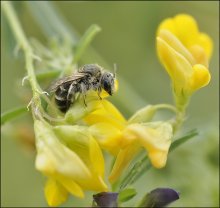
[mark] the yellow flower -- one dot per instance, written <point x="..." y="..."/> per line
<point x="185" y="52"/>
<point x="120" y="137"/>
<point x="154" y="137"/>
<point x="104" y="120"/>
<point x="71" y="159"/>
<point x="93" y="102"/>
<point x="124" y="139"/>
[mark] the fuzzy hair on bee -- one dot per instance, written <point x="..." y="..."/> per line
<point x="88" y="77"/>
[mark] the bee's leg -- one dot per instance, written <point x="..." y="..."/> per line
<point x="84" y="100"/>
<point x="99" y="88"/>
<point x="83" y="91"/>
<point x="99" y="92"/>
<point x="70" y="90"/>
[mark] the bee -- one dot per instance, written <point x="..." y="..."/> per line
<point x="88" y="77"/>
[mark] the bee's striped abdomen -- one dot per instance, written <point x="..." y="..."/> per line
<point x="61" y="99"/>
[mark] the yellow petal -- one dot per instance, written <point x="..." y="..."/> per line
<point x="183" y="26"/>
<point x="200" y="77"/>
<point x="206" y="43"/>
<point x="80" y="141"/>
<point x="96" y="183"/>
<point x="156" y="139"/>
<point x="187" y="29"/>
<point x="116" y="85"/>
<point x="54" y="157"/>
<point x="167" y="24"/>
<point x="70" y="186"/>
<point x="158" y="158"/>
<point x="111" y="109"/>
<point x="107" y="113"/>
<point x="176" y="65"/>
<point x="175" y="43"/>
<point x="199" y="54"/>
<point x="123" y="158"/>
<point x="108" y="136"/>
<point x="77" y="138"/>
<point x="79" y="110"/>
<point x="55" y="193"/>
<point x="96" y="157"/>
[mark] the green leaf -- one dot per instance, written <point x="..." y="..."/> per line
<point x="127" y="194"/>
<point x="11" y="114"/>
<point x="85" y="41"/>
<point x="140" y="167"/>
<point x="183" y="139"/>
<point x="135" y="172"/>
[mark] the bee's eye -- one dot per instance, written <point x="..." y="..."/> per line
<point x="105" y="84"/>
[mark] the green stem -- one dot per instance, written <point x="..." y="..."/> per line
<point x="181" y="105"/>
<point x="166" y="106"/>
<point x="85" y="41"/>
<point x="23" y="43"/>
<point x="81" y="47"/>
<point x="9" y="115"/>
<point x="180" y="117"/>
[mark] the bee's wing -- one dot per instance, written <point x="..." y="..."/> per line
<point x="53" y="87"/>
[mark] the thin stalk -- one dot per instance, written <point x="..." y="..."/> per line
<point x="166" y="106"/>
<point x="25" y="46"/>
<point x="29" y="55"/>
<point x="23" y="43"/>
<point x="85" y="41"/>
<point x="82" y="45"/>
<point x="9" y="115"/>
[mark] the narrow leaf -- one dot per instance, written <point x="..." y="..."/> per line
<point x="173" y="146"/>
<point x="85" y="41"/>
<point x="11" y="114"/>
<point x="183" y="139"/>
<point x="127" y="194"/>
<point x="140" y="167"/>
<point x="159" y="197"/>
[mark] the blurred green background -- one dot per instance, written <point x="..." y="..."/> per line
<point x="127" y="39"/>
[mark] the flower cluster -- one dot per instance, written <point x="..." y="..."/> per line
<point x="185" y="52"/>
<point x="71" y="159"/>
<point x="69" y="153"/>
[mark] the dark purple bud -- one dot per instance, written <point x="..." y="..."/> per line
<point x="106" y="199"/>
<point x="159" y="197"/>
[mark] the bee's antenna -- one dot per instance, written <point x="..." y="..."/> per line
<point x="115" y="69"/>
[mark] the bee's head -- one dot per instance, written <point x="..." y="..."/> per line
<point x="108" y="82"/>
